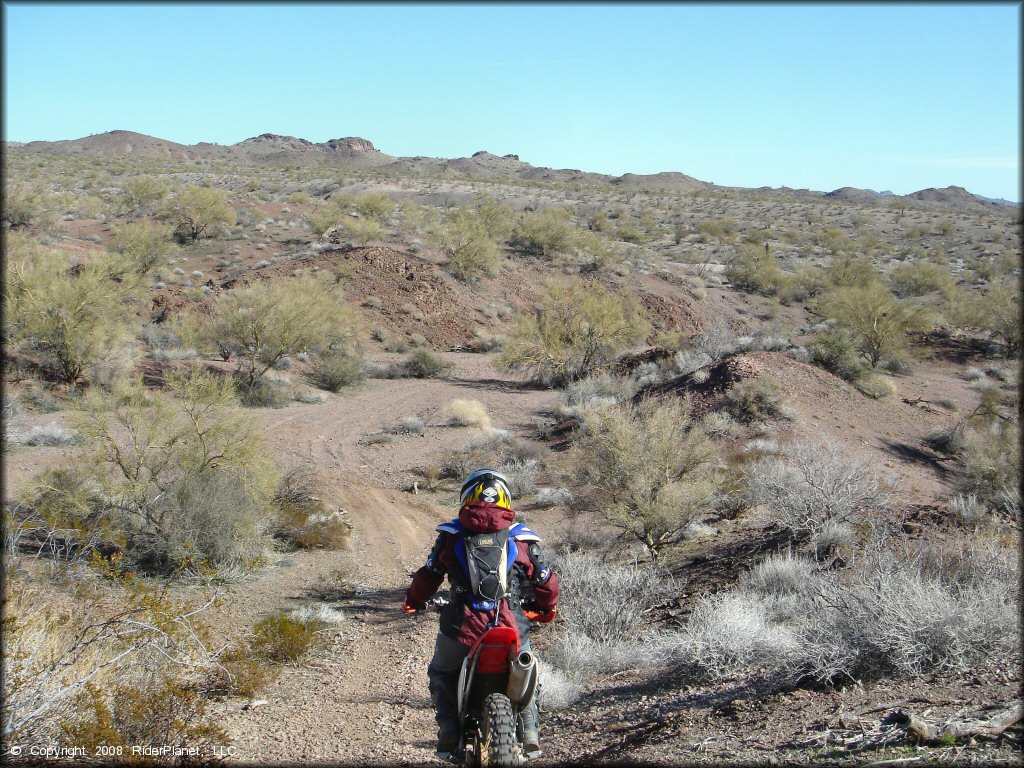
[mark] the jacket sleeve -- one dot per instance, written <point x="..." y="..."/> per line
<point x="428" y="579"/>
<point x="543" y="579"/>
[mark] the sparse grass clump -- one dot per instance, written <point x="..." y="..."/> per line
<point x="282" y="639"/>
<point x="51" y="434"/>
<point x="468" y="413"/>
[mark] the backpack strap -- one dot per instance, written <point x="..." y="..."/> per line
<point x="520" y="532"/>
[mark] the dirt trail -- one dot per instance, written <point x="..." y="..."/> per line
<point x="364" y="700"/>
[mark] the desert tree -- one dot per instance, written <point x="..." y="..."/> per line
<point x="545" y="232"/>
<point x="184" y="478"/>
<point x="261" y="323"/>
<point x="575" y="327"/>
<point x="195" y="210"/>
<point x="877" y="320"/>
<point x="144" y="247"/>
<point x="73" y="317"/>
<point x="647" y="470"/>
<point x="323" y="220"/>
<point x="141" y="193"/>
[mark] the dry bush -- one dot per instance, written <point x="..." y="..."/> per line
<point x="496" y="448"/>
<point x="835" y="351"/>
<point x="468" y="413"/>
<point x="753" y="401"/>
<point x="602" y="610"/>
<point x="593" y="392"/>
<point x="875" y="387"/>
<point x="576" y="327"/>
<point x="135" y="630"/>
<point x="363" y="231"/>
<point x="990" y="465"/>
<point x="421" y="364"/>
<point x="646" y="470"/>
<point x="900" y="611"/>
<point x="281" y="639"/>
<point x="51" y="434"/>
<point x="811" y="485"/>
<point x="300" y="519"/>
<point x="753" y="271"/>
<point x="160" y="710"/>
<point x="143" y="247"/>
<point x="553" y="497"/>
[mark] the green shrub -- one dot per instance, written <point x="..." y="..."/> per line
<point x="577" y="326"/>
<point x="423" y="364"/>
<point x="376" y="206"/>
<point x="834" y="351"/>
<point x="753" y="271"/>
<point x="143" y="246"/>
<point x="920" y="278"/>
<point x="280" y="639"/>
<point x="545" y="233"/>
<point x="195" y="210"/>
<point x="470" y="249"/>
<point x="363" y="231"/>
<point x="754" y="400"/>
<point x="336" y="371"/>
<point x="875" y="387"/>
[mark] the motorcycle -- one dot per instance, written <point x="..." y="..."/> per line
<point x="496" y="683"/>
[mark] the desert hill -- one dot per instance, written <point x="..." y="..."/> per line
<point x="361" y="153"/>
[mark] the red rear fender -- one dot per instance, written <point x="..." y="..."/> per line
<point x="496" y="647"/>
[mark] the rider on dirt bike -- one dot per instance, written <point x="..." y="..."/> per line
<point x="533" y="586"/>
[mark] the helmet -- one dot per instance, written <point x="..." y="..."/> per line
<point x="487" y="485"/>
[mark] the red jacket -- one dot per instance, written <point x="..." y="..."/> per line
<point x="458" y="620"/>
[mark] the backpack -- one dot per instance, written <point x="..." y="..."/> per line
<point x="487" y="560"/>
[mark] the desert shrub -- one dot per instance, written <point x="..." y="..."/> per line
<point x="24" y="204"/>
<point x="722" y="229"/>
<point x="897" y="366"/>
<point x="852" y="272"/>
<point x="362" y="231"/>
<point x="920" y="278"/>
<point x="811" y="485"/>
<point x="995" y="311"/>
<point x="51" y="434"/>
<point x="719" y="424"/>
<point x="545" y="232"/>
<point x="336" y="371"/>
<point x="601" y="613"/>
<point x="875" y="387"/>
<point x="646" y="470"/>
<point x="834" y="351"/>
<point x="422" y="364"/>
<point x="261" y="323"/>
<point x="715" y="342"/>
<point x="552" y="497"/>
<point x="753" y="271"/>
<point x="281" y="639"/>
<point x="470" y="249"/>
<point x="375" y="205"/>
<point x="322" y="220"/>
<point x="495" y="449"/>
<point x="300" y="519"/>
<point x="754" y="400"/>
<point x="484" y="341"/>
<point x="595" y="391"/>
<point x="990" y="465"/>
<point x="496" y="217"/>
<point x="576" y="327"/>
<point x="194" y="211"/>
<point x="596" y="252"/>
<point x="876" y="320"/>
<point x="268" y="393"/>
<point x="188" y="478"/>
<point x="804" y="283"/>
<point x="143" y="246"/>
<point x="407" y="425"/>
<point x="108" y="641"/>
<point x="898" y="612"/>
<point x="72" y="317"/>
<point x="948" y="441"/>
<point x="139" y="194"/>
<point x="162" y="710"/>
<point x="468" y="413"/>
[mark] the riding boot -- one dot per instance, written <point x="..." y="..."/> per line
<point x="531" y="733"/>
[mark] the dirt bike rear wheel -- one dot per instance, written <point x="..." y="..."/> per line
<point x="498" y="745"/>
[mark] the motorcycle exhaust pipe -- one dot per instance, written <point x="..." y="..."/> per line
<point x="522" y="679"/>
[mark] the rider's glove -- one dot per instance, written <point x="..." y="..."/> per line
<point x="541" y="617"/>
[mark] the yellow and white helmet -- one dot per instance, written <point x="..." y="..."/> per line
<point x="486" y="485"/>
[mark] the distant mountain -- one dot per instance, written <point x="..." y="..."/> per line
<point x="357" y="152"/>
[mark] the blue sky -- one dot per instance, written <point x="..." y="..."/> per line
<point x="819" y="96"/>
